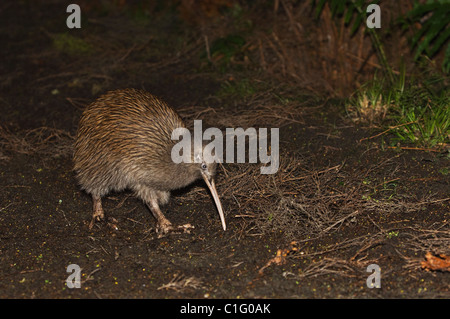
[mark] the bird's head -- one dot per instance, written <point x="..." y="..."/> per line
<point x="206" y="166"/>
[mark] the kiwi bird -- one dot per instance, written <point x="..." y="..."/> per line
<point x="124" y="142"/>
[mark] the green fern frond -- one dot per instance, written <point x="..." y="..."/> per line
<point x="434" y="17"/>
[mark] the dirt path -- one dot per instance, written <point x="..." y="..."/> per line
<point x="335" y="207"/>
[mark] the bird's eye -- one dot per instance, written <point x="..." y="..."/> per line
<point x="203" y="166"/>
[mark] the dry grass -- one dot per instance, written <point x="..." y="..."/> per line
<point x="367" y="111"/>
<point x="326" y="266"/>
<point x="46" y="141"/>
<point x="313" y="205"/>
<point x="349" y="257"/>
<point x="301" y="203"/>
<point x="435" y="239"/>
<point x="261" y="110"/>
<point x="296" y="201"/>
<point x="253" y="116"/>
<point x="180" y="283"/>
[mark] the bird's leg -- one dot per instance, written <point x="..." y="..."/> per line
<point x="164" y="226"/>
<point x="98" y="213"/>
<point x="163" y="223"/>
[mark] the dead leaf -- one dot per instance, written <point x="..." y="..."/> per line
<point x="440" y="262"/>
<point x="280" y="257"/>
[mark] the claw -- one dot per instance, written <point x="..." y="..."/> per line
<point x="164" y="230"/>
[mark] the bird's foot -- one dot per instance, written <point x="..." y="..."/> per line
<point x="165" y="229"/>
<point x="95" y="219"/>
<point x="111" y="222"/>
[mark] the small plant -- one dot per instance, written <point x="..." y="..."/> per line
<point x="415" y="112"/>
<point x="392" y="234"/>
<point x="373" y="100"/>
<point x="368" y="105"/>
<point x="241" y="89"/>
<point x="71" y="45"/>
<point x="226" y="50"/>
<point x="422" y="116"/>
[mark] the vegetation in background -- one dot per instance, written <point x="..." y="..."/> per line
<point x="71" y="45"/>
<point x="229" y="49"/>
<point x="225" y="50"/>
<point x="422" y="116"/>
<point x="355" y="10"/>
<point x="239" y="89"/>
<point x="434" y="32"/>
<point x="412" y="110"/>
<point x="430" y="38"/>
<point x="416" y="112"/>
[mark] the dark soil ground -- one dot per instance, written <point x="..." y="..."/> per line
<point x="337" y="204"/>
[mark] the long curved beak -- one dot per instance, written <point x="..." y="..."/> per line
<point x="212" y="188"/>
